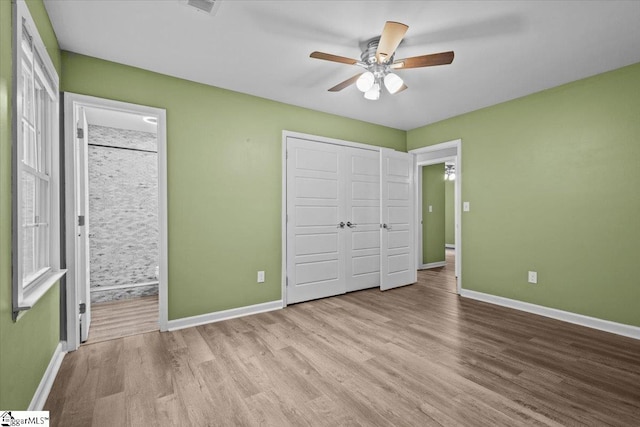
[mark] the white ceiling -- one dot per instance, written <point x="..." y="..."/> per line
<point x="118" y="120"/>
<point x="503" y="49"/>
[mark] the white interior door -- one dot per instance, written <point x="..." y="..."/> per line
<point x="398" y="266"/>
<point x="82" y="214"/>
<point x="315" y="209"/>
<point x="362" y="233"/>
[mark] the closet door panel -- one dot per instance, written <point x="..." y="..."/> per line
<point x="315" y="207"/>
<point x="363" y="212"/>
<point x="397" y="209"/>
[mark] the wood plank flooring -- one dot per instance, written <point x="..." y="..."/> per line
<point x="123" y="318"/>
<point x="413" y="356"/>
<point x="442" y="278"/>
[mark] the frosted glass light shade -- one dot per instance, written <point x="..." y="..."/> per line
<point x="365" y="81"/>
<point x="374" y="93"/>
<point x="393" y="82"/>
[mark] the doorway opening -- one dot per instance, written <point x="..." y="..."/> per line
<point x="115" y="157"/>
<point x="122" y="223"/>
<point x="439" y="236"/>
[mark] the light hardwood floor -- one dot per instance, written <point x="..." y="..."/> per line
<point x="414" y="356"/>
<point x="122" y="318"/>
<point x="442" y="278"/>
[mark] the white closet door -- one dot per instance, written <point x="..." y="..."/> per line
<point x="363" y="219"/>
<point x="397" y="233"/>
<point x="315" y="207"/>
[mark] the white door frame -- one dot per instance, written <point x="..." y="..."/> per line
<point x="81" y="185"/>
<point x="286" y="134"/>
<point x="433" y="154"/>
<point x="71" y="101"/>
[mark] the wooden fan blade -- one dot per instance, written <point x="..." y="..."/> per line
<point x="333" y="58"/>
<point x="391" y="37"/>
<point x="442" y="58"/>
<point x="403" y="87"/>
<point x="345" y="83"/>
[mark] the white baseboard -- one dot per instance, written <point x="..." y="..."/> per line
<point x="449" y="246"/>
<point x="432" y="265"/>
<point x="566" y="316"/>
<point x="187" y="322"/>
<point x="42" y="392"/>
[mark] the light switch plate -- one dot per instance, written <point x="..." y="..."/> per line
<point x="465" y="206"/>
<point x="430" y="208"/>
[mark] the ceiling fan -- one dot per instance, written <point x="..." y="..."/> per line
<point x="378" y="59"/>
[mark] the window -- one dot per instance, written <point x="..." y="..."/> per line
<point x="36" y="204"/>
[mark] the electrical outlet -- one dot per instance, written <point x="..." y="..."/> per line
<point x="260" y="276"/>
<point x="533" y="277"/>
<point x="430" y="208"/>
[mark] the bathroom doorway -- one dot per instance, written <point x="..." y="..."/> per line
<point x="122" y="165"/>
<point x="117" y="239"/>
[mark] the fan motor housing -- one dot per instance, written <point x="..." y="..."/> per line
<point x="368" y="55"/>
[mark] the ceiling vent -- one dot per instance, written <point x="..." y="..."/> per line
<point x="205" y="6"/>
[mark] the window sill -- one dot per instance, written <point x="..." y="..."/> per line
<point x="31" y="298"/>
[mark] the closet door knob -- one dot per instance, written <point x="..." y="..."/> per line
<point x="341" y="225"/>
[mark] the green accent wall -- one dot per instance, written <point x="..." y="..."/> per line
<point x="26" y="346"/>
<point x="224" y="154"/>
<point x="433" y="223"/>
<point x="449" y="212"/>
<point x="552" y="180"/>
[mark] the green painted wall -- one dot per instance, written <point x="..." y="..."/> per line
<point x="26" y="346"/>
<point x="224" y="178"/>
<point x="552" y="182"/>
<point x="449" y="212"/>
<point x="433" y="223"/>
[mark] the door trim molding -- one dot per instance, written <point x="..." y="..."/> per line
<point x="70" y="101"/>
<point x="325" y="140"/>
<point x="565" y="316"/>
<point x="440" y="158"/>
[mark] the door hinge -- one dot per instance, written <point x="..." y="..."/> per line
<point x="80" y="220"/>
<point x="80" y="133"/>
<point x="83" y="308"/>
<point x="286" y="282"/>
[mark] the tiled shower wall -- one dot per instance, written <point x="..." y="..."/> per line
<point x="123" y="213"/>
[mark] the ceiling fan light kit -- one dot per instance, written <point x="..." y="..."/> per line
<point x="393" y="83"/>
<point x="365" y="81"/>
<point x="378" y="61"/>
<point x="373" y="94"/>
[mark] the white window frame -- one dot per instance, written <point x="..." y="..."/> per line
<point x="25" y="295"/>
